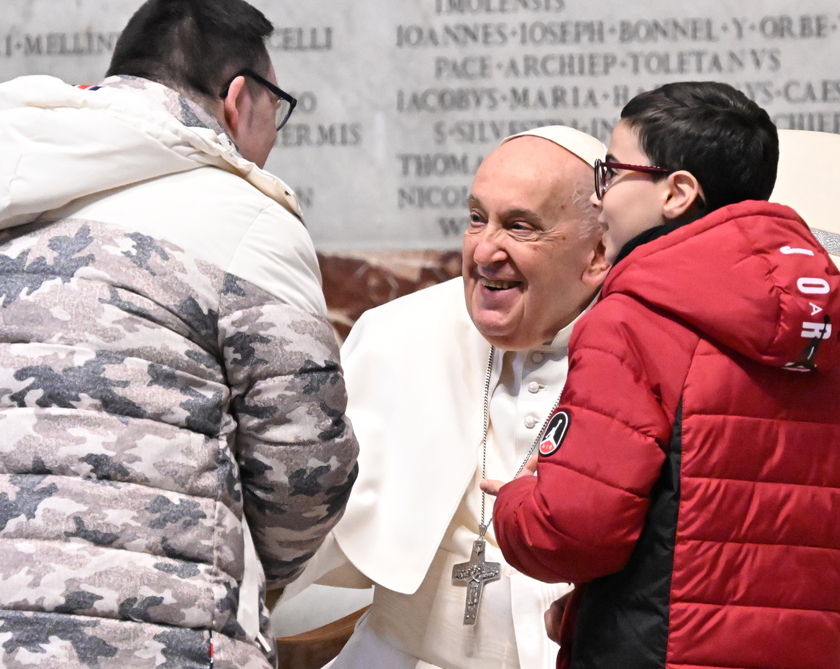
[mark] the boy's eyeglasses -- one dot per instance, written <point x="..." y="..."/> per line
<point x="285" y="102"/>
<point x="605" y="171"/>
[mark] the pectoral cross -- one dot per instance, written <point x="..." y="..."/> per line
<point x="474" y="574"/>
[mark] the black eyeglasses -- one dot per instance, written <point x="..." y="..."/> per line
<point x="285" y="102"/>
<point x="605" y="171"/>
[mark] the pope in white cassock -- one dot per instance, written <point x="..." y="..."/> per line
<point x="421" y="372"/>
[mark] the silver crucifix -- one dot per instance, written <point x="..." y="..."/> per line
<point x="474" y="574"/>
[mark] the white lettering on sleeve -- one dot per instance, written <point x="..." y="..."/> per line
<point x="811" y="286"/>
<point x="787" y="250"/>
<point x="816" y="331"/>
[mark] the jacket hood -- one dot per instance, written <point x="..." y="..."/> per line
<point x="749" y="276"/>
<point x="62" y="142"/>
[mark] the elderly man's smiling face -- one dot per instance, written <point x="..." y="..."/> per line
<point x="533" y="257"/>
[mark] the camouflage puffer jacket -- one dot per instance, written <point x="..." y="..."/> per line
<point x="165" y="367"/>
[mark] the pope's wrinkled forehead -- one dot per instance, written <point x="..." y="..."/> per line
<point x="549" y="163"/>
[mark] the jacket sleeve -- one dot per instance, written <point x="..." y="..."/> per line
<point x="295" y="448"/>
<point x="581" y="516"/>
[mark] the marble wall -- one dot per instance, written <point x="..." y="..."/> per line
<point x="400" y="100"/>
<point x="355" y="282"/>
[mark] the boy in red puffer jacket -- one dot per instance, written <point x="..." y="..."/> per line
<point x="688" y="478"/>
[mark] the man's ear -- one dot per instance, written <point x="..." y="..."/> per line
<point x="598" y="267"/>
<point x="683" y="193"/>
<point x="233" y="106"/>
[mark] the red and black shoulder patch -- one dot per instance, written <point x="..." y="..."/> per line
<point x="555" y="432"/>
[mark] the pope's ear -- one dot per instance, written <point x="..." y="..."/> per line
<point x="598" y="267"/>
<point x="683" y="194"/>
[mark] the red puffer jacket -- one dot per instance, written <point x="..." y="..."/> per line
<point x="691" y="475"/>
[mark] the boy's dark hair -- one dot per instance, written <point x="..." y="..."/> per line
<point x="712" y="130"/>
<point x="193" y="46"/>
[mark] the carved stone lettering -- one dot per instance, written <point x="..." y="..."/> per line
<point x="398" y="103"/>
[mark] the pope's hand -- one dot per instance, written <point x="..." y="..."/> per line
<point x="491" y="487"/>
<point x="530" y="467"/>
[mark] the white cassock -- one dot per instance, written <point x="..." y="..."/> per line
<point x="415" y="371"/>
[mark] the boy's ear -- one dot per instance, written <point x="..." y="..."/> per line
<point x="683" y="193"/>
<point x="598" y="267"/>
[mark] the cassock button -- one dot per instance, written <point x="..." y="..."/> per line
<point x="537" y="357"/>
<point x="533" y="387"/>
<point x="530" y="422"/>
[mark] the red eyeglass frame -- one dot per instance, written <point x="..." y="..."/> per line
<point x="601" y="167"/>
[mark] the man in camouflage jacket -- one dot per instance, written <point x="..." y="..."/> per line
<point x="166" y="367"/>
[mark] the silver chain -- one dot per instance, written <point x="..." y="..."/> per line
<point x="482" y="527"/>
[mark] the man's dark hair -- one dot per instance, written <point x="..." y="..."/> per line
<point x="712" y="130"/>
<point x="193" y="46"/>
